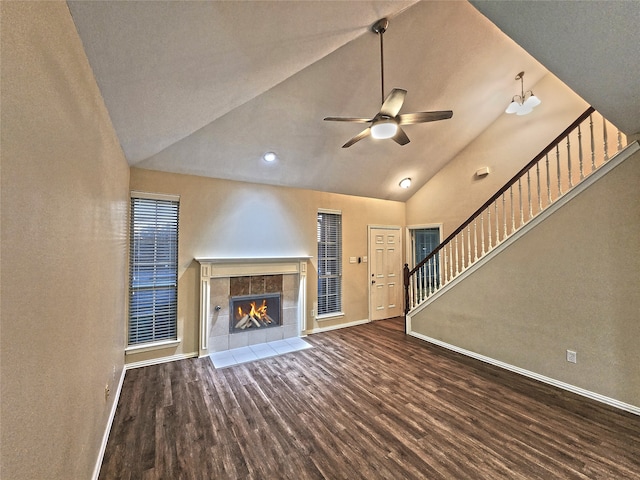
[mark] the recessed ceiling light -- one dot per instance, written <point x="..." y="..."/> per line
<point x="269" y="157"/>
<point x="405" y="183"/>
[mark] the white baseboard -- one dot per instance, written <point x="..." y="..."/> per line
<point x="107" y="431"/>
<point x="158" y="361"/>
<point x="527" y="373"/>
<point x="336" y="327"/>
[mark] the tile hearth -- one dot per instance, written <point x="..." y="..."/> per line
<point x="251" y="353"/>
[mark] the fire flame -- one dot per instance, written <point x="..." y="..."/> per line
<point x="259" y="313"/>
<point x="254" y="316"/>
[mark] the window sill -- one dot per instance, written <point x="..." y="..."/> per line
<point x="329" y="316"/>
<point x="147" y="347"/>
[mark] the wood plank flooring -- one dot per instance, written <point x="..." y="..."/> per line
<point x="366" y="402"/>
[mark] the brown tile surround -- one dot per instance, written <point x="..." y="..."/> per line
<point x="255" y="284"/>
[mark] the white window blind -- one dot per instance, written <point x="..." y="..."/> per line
<point x="153" y="274"/>
<point x="329" y="263"/>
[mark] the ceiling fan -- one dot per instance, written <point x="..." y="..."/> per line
<point x="387" y="122"/>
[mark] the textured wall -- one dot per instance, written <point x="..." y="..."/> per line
<point x="570" y="283"/>
<point x="64" y="246"/>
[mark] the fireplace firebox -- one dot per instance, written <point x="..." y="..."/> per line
<point x="255" y="311"/>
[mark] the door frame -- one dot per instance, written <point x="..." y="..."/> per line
<point x="398" y="228"/>
<point x="408" y="250"/>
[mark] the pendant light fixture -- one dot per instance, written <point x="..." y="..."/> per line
<point x="525" y="102"/>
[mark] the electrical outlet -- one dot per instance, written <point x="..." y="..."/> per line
<point x="572" y="356"/>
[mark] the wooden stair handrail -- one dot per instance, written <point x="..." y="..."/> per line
<point x="497" y="195"/>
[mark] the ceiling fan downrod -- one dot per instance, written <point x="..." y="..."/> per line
<point x="380" y="27"/>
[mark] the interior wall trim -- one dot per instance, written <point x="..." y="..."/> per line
<point x="336" y="327"/>
<point x="107" y="431"/>
<point x="535" y="376"/>
<point x="157" y="361"/>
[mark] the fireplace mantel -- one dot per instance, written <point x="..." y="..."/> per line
<point x="213" y="267"/>
<point x="222" y="267"/>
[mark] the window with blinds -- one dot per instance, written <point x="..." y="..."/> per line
<point x="329" y="263"/>
<point x="153" y="274"/>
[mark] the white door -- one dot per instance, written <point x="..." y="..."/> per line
<point x="385" y="273"/>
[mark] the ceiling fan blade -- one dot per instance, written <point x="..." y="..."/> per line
<point x="365" y="133"/>
<point x="400" y="137"/>
<point x="421" y="117"/>
<point x="393" y="103"/>
<point x="348" y="119"/>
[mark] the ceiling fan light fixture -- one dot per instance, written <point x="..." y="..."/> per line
<point x="385" y="128"/>
<point x="405" y="183"/>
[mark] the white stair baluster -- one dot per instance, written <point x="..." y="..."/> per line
<point x="482" y="232"/>
<point x="593" y="144"/>
<point x="513" y="213"/>
<point x="495" y="210"/>
<point x="456" y="247"/>
<point x="504" y="215"/>
<point x="580" y="153"/>
<point x="538" y="186"/>
<point x="469" y="244"/>
<point x="475" y="239"/>
<point x="489" y="226"/>
<point x="558" y="173"/>
<point x="462" y="264"/>
<point x="529" y="195"/>
<point x="569" y="162"/>
<point x="604" y="136"/>
<point x="520" y="202"/>
<point x="619" y="140"/>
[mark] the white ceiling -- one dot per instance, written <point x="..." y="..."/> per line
<point x="206" y="88"/>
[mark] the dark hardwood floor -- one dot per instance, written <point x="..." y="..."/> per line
<point x="365" y="402"/>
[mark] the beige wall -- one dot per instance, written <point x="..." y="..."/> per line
<point x="64" y="244"/>
<point x="220" y="218"/>
<point x="509" y="143"/>
<point x="572" y="284"/>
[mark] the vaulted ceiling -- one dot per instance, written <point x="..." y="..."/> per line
<point x="205" y="88"/>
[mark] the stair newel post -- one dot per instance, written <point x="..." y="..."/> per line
<point x="406" y="288"/>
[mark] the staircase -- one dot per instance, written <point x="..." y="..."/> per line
<point x="576" y="158"/>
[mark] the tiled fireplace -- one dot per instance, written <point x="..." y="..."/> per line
<point x="248" y="301"/>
